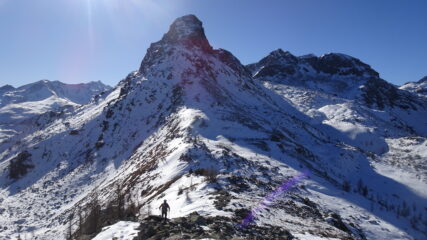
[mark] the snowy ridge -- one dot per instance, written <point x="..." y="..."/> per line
<point x="191" y="112"/>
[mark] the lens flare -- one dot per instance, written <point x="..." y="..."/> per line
<point x="286" y="186"/>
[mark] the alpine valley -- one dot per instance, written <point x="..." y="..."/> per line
<point x="214" y="137"/>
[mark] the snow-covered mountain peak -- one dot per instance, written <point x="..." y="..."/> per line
<point x="184" y="33"/>
<point x="184" y="53"/>
<point x="332" y="73"/>
<point x="339" y="70"/>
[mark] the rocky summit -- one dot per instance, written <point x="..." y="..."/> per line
<point x="222" y="142"/>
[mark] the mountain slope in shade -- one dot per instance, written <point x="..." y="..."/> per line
<point x="194" y="127"/>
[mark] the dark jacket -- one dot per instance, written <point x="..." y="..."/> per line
<point x="165" y="207"/>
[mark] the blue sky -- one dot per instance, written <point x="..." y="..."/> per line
<point x="87" y="40"/>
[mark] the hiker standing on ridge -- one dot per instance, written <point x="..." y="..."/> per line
<point x="165" y="208"/>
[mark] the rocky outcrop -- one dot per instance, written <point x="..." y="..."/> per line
<point x="195" y="226"/>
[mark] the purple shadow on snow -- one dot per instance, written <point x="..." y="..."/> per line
<point x="272" y="196"/>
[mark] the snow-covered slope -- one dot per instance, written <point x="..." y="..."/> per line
<point x="194" y="127"/>
<point x="120" y="231"/>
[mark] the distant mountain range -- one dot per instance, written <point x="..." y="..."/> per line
<point x="217" y="139"/>
<point x="20" y="107"/>
<point x="419" y="87"/>
<point x="76" y="93"/>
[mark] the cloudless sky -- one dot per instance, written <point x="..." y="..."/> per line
<point x="88" y="40"/>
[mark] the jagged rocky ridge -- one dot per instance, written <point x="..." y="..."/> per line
<point x="194" y="127"/>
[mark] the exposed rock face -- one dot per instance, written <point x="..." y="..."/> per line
<point x="285" y="64"/>
<point x="381" y="94"/>
<point x="186" y="31"/>
<point x="184" y="28"/>
<point x="341" y="64"/>
<point x="281" y="62"/>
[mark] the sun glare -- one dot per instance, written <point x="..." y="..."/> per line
<point x="89" y="20"/>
